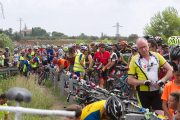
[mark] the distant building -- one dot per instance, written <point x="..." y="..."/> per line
<point x="26" y="31"/>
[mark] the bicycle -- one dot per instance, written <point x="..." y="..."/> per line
<point x="43" y="76"/>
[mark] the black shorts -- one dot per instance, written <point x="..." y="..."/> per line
<point x="35" y="70"/>
<point x="150" y="99"/>
<point x="103" y="75"/>
<point x="44" y="62"/>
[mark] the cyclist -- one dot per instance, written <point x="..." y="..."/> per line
<point x="165" y="49"/>
<point x="145" y="66"/>
<point x="114" y="59"/>
<point x="115" y="49"/>
<point x="3" y="102"/>
<point x="65" y="49"/>
<point x="103" y="60"/>
<point x="50" y="53"/>
<point x="1" y="59"/>
<point x="152" y="45"/>
<point x="134" y="52"/>
<point x="21" y="62"/>
<point x="35" y="63"/>
<point x="159" y="43"/>
<point x="110" y="109"/>
<point x="81" y="44"/>
<point x="79" y="64"/>
<point x="27" y="65"/>
<point x="44" y="55"/>
<point x="7" y="57"/>
<point x="92" y="49"/>
<point x="36" y="51"/>
<point x="62" y="64"/>
<point x="174" y="56"/>
<point x="15" y="57"/>
<point x="148" y="37"/>
<point x="71" y="58"/>
<point x="125" y="53"/>
<point x="60" y="52"/>
<point x="77" y="49"/>
<point x="30" y="52"/>
<point x="88" y="59"/>
<point x="77" y="109"/>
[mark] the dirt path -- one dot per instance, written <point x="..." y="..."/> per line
<point x="58" y="104"/>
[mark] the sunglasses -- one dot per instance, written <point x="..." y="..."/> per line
<point x="102" y="47"/>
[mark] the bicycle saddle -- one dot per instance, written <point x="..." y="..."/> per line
<point x="110" y="79"/>
<point x="122" y="68"/>
<point x="19" y="94"/>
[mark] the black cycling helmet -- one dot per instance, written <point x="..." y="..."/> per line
<point x="86" y="44"/>
<point x="113" y="107"/>
<point x="148" y="37"/>
<point x="102" y="45"/>
<point x="158" y="40"/>
<point x="134" y="47"/>
<point x="109" y="48"/>
<point x="175" y="55"/>
<point x="97" y="45"/>
<point x="164" y="45"/>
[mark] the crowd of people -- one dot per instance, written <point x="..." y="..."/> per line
<point x="145" y="60"/>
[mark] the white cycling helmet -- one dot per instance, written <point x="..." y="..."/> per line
<point x="60" y="51"/>
<point x="15" y="49"/>
<point x="84" y="48"/>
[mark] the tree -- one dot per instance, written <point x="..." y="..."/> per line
<point x="25" y="27"/>
<point x="132" y="37"/>
<point x="39" y="32"/>
<point x="164" y="24"/>
<point x="57" y="34"/>
<point x="5" y="41"/>
<point x="106" y="40"/>
<point x="32" y="32"/>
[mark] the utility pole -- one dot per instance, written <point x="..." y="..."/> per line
<point x="117" y="30"/>
<point x="20" y="24"/>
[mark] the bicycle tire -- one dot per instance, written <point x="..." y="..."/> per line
<point x="40" y="78"/>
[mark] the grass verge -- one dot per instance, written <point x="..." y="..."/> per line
<point x="40" y="99"/>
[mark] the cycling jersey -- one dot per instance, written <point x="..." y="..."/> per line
<point x="145" y="70"/>
<point x="3" y="112"/>
<point x="63" y="61"/>
<point x="93" y="111"/>
<point x="15" y="56"/>
<point x="101" y="60"/>
<point x="44" y="55"/>
<point x="2" y="60"/>
<point x="126" y="54"/>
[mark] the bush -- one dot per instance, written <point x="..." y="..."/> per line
<point x="80" y="41"/>
<point x="5" y="41"/>
<point x="106" y="40"/>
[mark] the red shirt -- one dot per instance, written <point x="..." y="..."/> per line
<point x="100" y="59"/>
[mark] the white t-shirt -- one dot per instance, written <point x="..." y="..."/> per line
<point x="16" y="56"/>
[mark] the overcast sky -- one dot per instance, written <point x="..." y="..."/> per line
<point x="73" y="17"/>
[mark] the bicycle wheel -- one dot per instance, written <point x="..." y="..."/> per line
<point x="40" y="78"/>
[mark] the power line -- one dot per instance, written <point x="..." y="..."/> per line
<point x="20" y="24"/>
<point x="2" y="10"/>
<point x="117" y="30"/>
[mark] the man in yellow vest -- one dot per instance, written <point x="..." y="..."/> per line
<point x="79" y="64"/>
